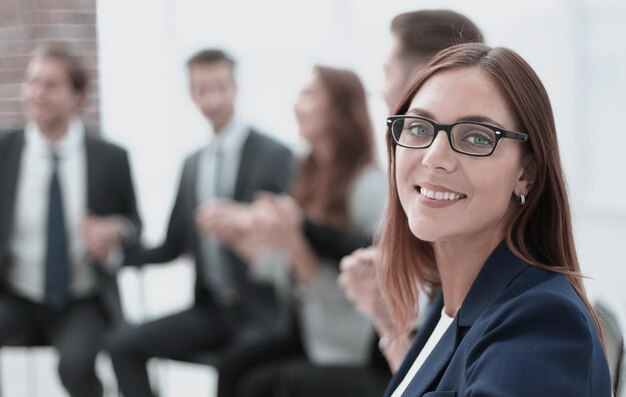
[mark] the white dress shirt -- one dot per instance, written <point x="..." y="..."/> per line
<point x="442" y="326"/>
<point x="229" y="143"/>
<point x="29" y="234"/>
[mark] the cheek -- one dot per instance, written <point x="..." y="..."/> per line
<point x="491" y="189"/>
<point x="406" y="162"/>
<point x="315" y="116"/>
<point x="230" y="98"/>
<point x="221" y="101"/>
<point x="58" y="101"/>
<point x="494" y="181"/>
<point x="318" y="110"/>
<point x="491" y="196"/>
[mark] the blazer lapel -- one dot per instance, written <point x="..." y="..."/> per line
<point x="423" y="333"/>
<point x="435" y="364"/>
<point x="92" y="163"/>
<point x="9" y="173"/>
<point x="190" y="181"/>
<point x="499" y="270"/>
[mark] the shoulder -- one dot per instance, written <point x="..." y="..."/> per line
<point x="369" y="188"/>
<point x="545" y="288"/>
<point x="541" y="301"/>
<point x="371" y="177"/>
<point x="267" y="144"/>
<point x="536" y="337"/>
<point x="194" y="155"/>
<point x="368" y="197"/>
<point x="9" y="137"/>
<point x="191" y="160"/>
<point x="101" y="145"/>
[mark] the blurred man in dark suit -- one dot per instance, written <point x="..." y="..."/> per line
<point x="67" y="211"/>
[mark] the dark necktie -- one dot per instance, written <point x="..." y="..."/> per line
<point x="57" y="258"/>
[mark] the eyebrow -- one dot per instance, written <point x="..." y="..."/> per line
<point x="475" y="118"/>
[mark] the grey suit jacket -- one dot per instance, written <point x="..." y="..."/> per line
<point x="266" y="165"/>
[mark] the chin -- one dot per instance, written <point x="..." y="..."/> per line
<point x="47" y="121"/>
<point x="425" y="235"/>
<point x="37" y="115"/>
<point x="305" y="133"/>
<point x="424" y="229"/>
<point x="433" y="234"/>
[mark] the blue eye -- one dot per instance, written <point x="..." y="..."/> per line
<point x="419" y="129"/>
<point x="478" y="139"/>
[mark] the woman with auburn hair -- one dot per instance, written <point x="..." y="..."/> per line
<point x="478" y="209"/>
<point x="330" y="347"/>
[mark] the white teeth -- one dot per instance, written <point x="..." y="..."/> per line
<point x="428" y="193"/>
<point x="442" y="196"/>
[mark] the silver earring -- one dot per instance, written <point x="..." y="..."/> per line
<point x="522" y="199"/>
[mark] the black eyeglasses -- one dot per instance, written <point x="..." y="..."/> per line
<point x="467" y="137"/>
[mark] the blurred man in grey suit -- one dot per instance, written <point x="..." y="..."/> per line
<point x="229" y="304"/>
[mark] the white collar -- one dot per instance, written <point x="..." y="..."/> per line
<point x="70" y="143"/>
<point x="231" y="138"/>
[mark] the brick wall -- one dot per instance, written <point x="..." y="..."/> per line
<point x="26" y="23"/>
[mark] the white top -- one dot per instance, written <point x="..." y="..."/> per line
<point x="333" y="331"/>
<point x="28" y="239"/>
<point x="435" y="337"/>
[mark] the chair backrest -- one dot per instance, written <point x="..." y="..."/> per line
<point x="613" y="333"/>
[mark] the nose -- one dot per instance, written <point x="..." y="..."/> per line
<point x="440" y="156"/>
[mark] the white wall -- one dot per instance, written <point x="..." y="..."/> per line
<point x="573" y="45"/>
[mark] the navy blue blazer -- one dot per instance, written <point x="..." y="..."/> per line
<point x="521" y="331"/>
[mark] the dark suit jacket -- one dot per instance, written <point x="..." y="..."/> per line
<point x="521" y="331"/>
<point x="109" y="192"/>
<point x="266" y="165"/>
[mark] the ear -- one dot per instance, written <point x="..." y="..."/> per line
<point x="527" y="176"/>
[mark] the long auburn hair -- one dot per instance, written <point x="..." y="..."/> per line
<point x="543" y="225"/>
<point x="349" y="127"/>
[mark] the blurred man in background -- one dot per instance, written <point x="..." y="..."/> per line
<point x="417" y="37"/>
<point x="67" y="207"/>
<point x="231" y="307"/>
